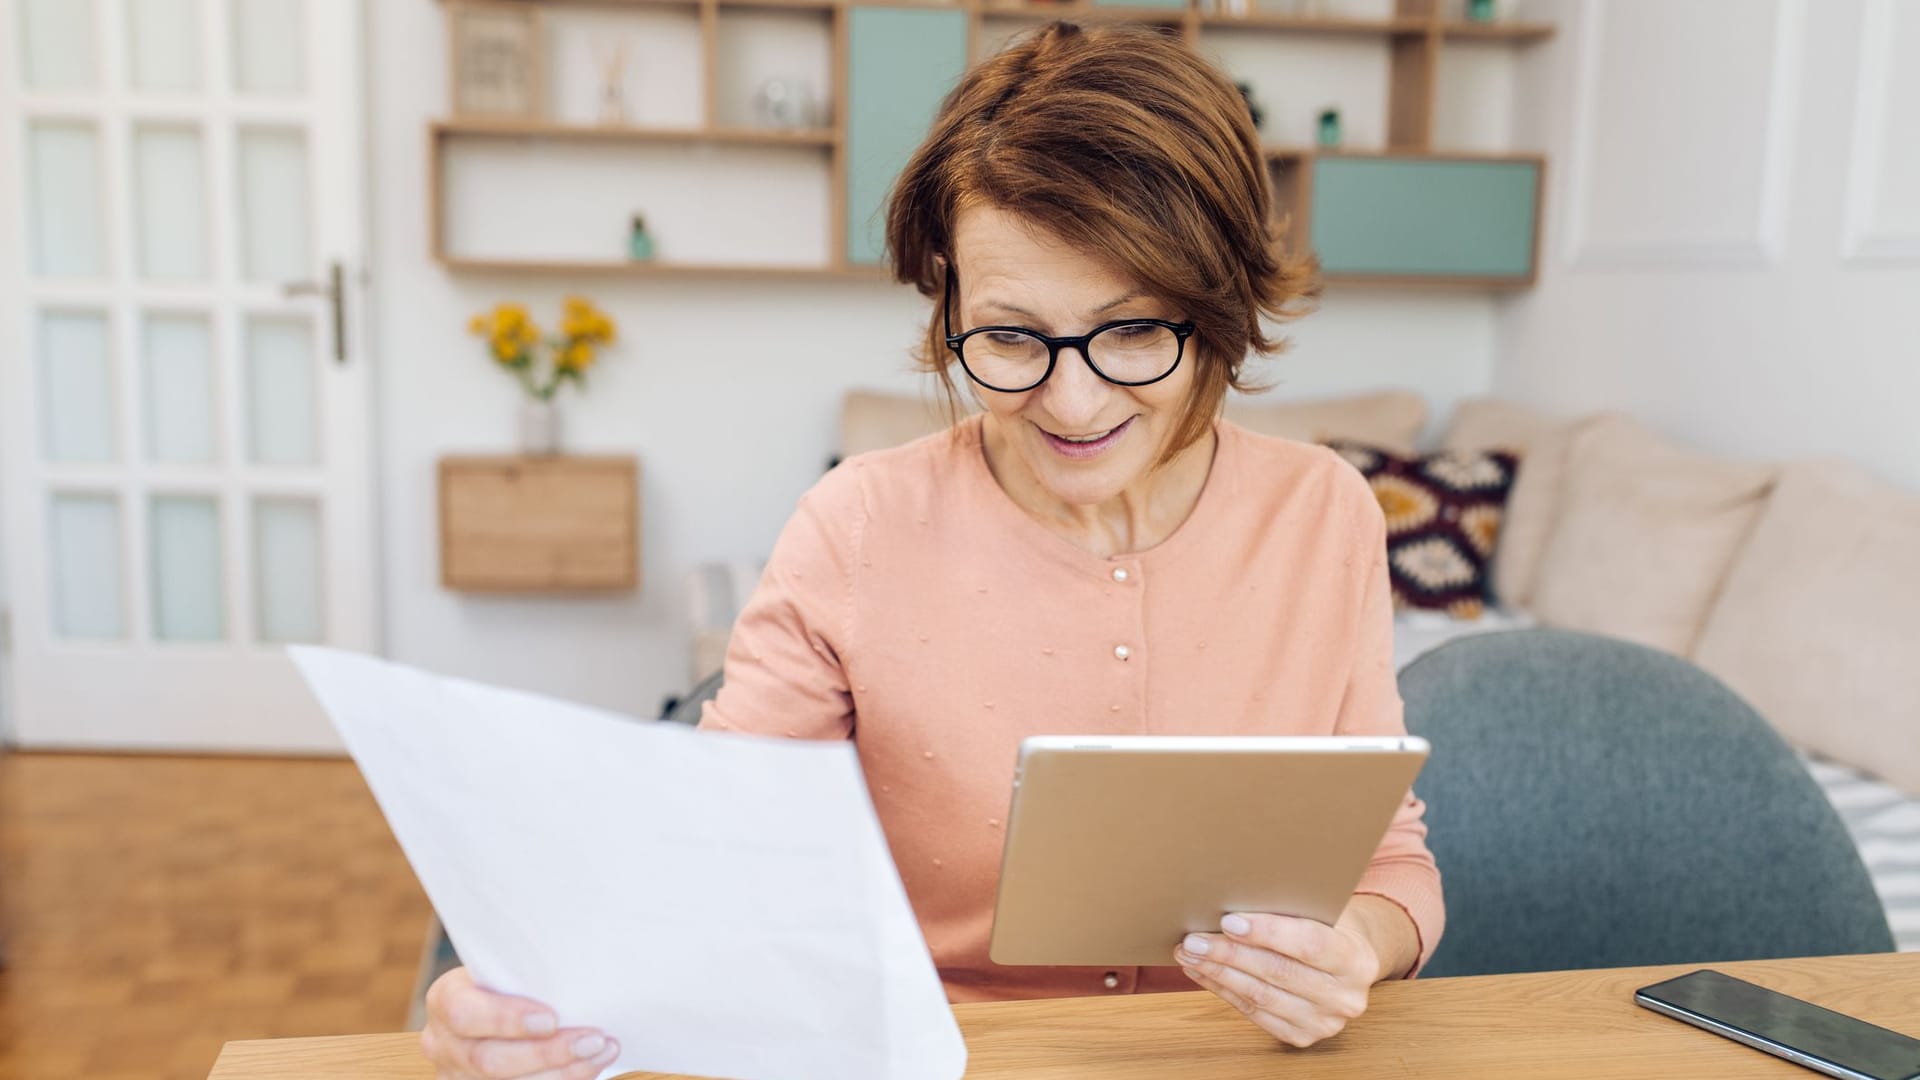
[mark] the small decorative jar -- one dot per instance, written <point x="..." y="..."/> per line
<point x="1329" y="128"/>
<point x="639" y="240"/>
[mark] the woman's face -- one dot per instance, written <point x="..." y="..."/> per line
<point x="1011" y="273"/>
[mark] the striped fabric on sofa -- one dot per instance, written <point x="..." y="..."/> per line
<point x="1885" y="823"/>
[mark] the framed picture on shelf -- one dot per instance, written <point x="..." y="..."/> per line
<point x="496" y="51"/>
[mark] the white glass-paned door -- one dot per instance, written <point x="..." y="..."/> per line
<point x="186" y="487"/>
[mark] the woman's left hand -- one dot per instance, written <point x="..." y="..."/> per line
<point x="1299" y="980"/>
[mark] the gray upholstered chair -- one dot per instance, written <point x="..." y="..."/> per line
<point x="1594" y="803"/>
<point x="686" y="708"/>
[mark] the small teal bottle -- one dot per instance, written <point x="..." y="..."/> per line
<point x="639" y="241"/>
<point x="1330" y="128"/>
<point x="1480" y="10"/>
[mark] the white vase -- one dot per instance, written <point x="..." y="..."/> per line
<point x="539" y="428"/>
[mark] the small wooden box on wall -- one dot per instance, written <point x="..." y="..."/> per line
<point x="539" y="524"/>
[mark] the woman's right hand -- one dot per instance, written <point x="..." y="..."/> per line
<point x="476" y="1034"/>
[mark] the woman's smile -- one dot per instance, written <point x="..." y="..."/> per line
<point x="1092" y="444"/>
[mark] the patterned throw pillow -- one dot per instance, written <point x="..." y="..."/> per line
<point x="1443" y="518"/>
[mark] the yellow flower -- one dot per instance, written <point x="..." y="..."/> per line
<point x="584" y="322"/>
<point x="575" y="356"/>
<point x="478" y="325"/>
<point x="510" y="321"/>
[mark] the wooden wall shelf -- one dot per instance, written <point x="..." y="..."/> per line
<point x="539" y="524"/>
<point x="1041" y="13"/>
<point x="610" y="268"/>
<point x="1415" y="35"/>
<point x="1519" y="33"/>
<point x="540" y="129"/>
<point x="1294" y="153"/>
<point x="1304" y="24"/>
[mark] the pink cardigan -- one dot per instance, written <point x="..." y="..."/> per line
<point x="911" y="606"/>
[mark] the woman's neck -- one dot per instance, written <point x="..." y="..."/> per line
<point x="1138" y="517"/>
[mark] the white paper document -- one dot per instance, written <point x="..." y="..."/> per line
<point x="723" y="905"/>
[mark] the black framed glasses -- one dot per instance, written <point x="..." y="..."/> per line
<point x="1014" y="359"/>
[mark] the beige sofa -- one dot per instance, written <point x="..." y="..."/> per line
<point x="1798" y="583"/>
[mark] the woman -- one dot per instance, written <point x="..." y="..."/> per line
<point x="1094" y="553"/>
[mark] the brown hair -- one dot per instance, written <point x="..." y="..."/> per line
<point x="1124" y="141"/>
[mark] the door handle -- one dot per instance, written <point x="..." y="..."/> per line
<point x="334" y="289"/>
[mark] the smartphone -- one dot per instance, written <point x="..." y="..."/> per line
<point x="1801" y="1032"/>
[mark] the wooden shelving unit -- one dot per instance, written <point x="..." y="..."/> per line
<point x="1302" y="24"/>
<point x="1414" y="35"/>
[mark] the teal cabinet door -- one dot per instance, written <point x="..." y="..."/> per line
<point x="1425" y="217"/>
<point x="900" y="64"/>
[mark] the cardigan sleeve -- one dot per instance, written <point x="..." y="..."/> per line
<point x="783" y="673"/>
<point x="1402" y="870"/>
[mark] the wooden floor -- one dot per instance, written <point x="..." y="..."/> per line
<point x="152" y="908"/>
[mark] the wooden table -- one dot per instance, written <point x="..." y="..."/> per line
<point x="1562" y="1024"/>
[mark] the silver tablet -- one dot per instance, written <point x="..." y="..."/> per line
<point x="1119" y="846"/>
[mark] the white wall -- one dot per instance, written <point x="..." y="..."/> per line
<point x="1733" y="241"/>
<point x="6" y="654"/>
<point x="727" y="391"/>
